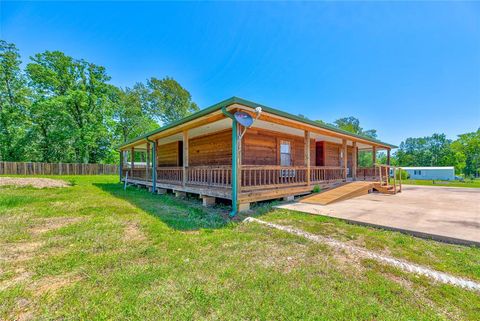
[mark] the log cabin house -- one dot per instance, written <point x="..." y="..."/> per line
<point x="210" y="154"/>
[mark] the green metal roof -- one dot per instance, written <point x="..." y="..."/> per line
<point x="251" y="104"/>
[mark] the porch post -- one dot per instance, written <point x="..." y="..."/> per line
<point x="374" y="155"/>
<point x="354" y="160"/>
<point x="147" y="165"/>
<point x="154" y="167"/>
<point x="307" y="155"/>
<point x="132" y="161"/>
<point x="120" y="167"/>
<point x="388" y="156"/>
<point x="345" y="158"/>
<point x="185" y="156"/>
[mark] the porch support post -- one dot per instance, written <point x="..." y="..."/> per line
<point x="374" y="155"/>
<point x="154" y="167"/>
<point x="234" y="162"/>
<point x="132" y="160"/>
<point x="307" y="155"/>
<point x="185" y="156"/>
<point x="388" y="156"/>
<point x="147" y="165"/>
<point x="120" y="167"/>
<point x="345" y="166"/>
<point x="354" y="160"/>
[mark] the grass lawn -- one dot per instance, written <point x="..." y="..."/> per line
<point x="94" y="252"/>
<point x="475" y="183"/>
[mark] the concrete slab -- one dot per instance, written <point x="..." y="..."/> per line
<point x="447" y="214"/>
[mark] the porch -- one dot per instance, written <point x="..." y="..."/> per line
<point x="215" y="157"/>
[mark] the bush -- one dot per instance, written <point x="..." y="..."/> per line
<point x="402" y="174"/>
<point x="316" y="189"/>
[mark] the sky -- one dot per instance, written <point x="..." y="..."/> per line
<point x="406" y="69"/>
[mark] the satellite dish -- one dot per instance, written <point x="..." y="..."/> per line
<point x="243" y="118"/>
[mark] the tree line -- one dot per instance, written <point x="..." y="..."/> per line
<point x="62" y="109"/>
<point x="436" y="150"/>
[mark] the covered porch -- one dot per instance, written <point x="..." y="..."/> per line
<point x="276" y="158"/>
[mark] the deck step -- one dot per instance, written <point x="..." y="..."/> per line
<point x="340" y="193"/>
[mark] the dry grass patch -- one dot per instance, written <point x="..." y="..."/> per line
<point x="132" y="232"/>
<point x="53" y="223"/>
<point x="33" y="182"/>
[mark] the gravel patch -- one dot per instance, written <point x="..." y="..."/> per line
<point x="33" y="182"/>
<point x="403" y="265"/>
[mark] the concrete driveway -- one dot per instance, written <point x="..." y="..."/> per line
<point x="443" y="213"/>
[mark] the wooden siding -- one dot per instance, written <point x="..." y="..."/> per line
<point x="168" y="155"/>
<point x="261" y="147"/>
<point x="212" y="149"/>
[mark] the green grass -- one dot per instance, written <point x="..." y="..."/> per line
<point x="95" y="252"/>
<point x="473" y="183"/>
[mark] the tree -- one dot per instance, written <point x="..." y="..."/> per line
<point x="352" y="125"/>
<point x="130" y="118"/>
<point x="79" y="92"/>
<point x="467" y="153"/>
<point x="13" y="104"/>
<point x="432" y="150"/>
<point x="166" y="100"/>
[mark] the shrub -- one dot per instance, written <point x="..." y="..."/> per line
<point x="316" y="189"/>
<point x="403" y="174"/>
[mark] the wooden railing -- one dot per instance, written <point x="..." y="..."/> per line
<point x="367" y="173"/>
<point x="326" y="174"/>
<point x="256" y="177"/>
<point x="390" y="177"/>
<point x="251" y="177"/>
<point x="171" y="175"/>
<point x="216" y="176"/>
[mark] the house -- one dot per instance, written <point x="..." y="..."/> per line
<point x="444" y="173"/>
<point x="281" y="155"/>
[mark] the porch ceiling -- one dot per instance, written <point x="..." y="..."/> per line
<point x="225" y="123"/>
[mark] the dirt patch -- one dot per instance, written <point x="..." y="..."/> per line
<point x="132" y="232"/>
<point x="54" y="223"/>
<point x="15" y="252"/>
<point x="33" y="182"/>
<point x="52" y="284"/>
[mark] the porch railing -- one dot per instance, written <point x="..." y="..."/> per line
<point x="216" y="176"/>
<point x="170" y="175"/>
<point x="328" y="174"/>
<point x="251" y="177"/>
<point x="367" y="173"/>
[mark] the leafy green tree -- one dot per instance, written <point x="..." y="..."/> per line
<point x="467" y="153"/>
<point x="131" y="120"/>
<point x="79" y="92"/>
<point x="352" y="124"/>
<point x="166" y="100"/>
<point x="432" y="150"/>
<point x="14" y="104"/>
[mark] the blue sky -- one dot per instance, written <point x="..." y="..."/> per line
<point x="405" y="69"/>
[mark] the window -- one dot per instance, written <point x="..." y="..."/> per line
<point x="285" y="153"/>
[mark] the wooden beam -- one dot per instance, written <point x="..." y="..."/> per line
<point x="132" y="160"/>
<point x="147" y="167"/>
<point x="185" y="156"/>
<point x="345" y="158"/>
<point x="307" y="155"/>
<point x="388" y="156"/>
<point x="374" y="155"/>
<point x="354" y="160"/>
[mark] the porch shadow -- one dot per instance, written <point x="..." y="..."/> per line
<point x="179" y="214"/>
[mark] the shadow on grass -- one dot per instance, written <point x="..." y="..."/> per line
<point x="179" y="214"/>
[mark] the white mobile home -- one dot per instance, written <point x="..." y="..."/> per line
<point x="446" y="173"/>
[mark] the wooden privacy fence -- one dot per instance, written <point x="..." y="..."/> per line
<point x="18" y="168"/>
